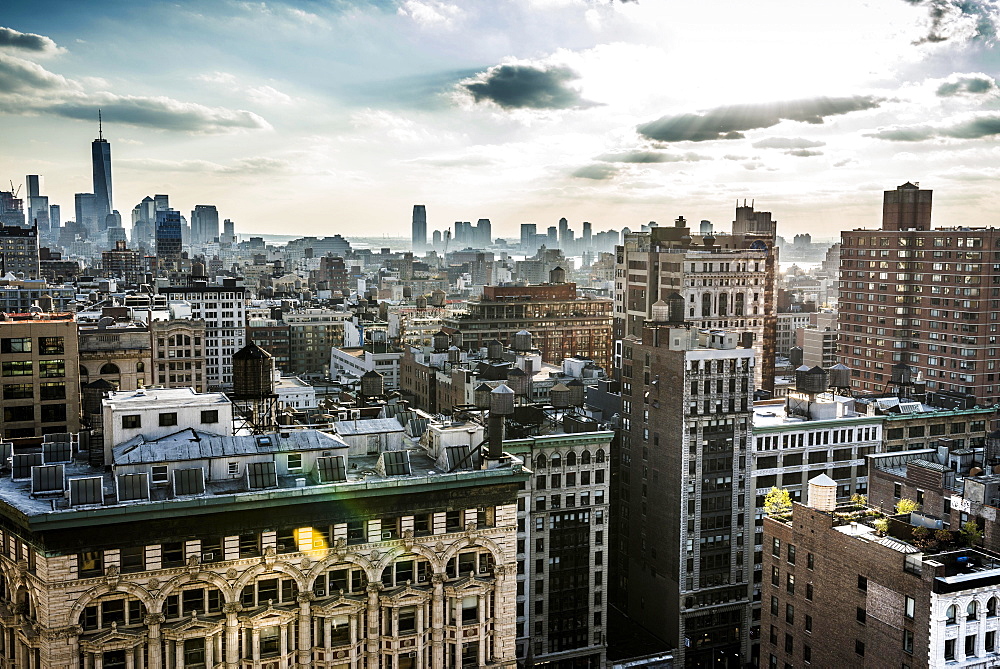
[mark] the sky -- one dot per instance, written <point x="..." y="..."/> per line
<point x="324" y="117"/>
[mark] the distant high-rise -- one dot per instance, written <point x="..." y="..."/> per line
<point x="161" y="202"/>
<point x="228" y="232"/>
<point x="55" y="216"/>
<point x="204" y="223"/>
<point x="11" y="209"/>
<point x="588" y="234"/>
<point x="169" y="237"/>
<point x="907" y="208"/>
<point x="528" y="233"/>
<point x="86" y="211"/>
<point x="553" y="237"/>
<point x="484" y="233"/>
<point x="100" y="152"/>
<point x="419" y="228"/>
<point x="563" y="233"/>
<point x="38" y="204"/>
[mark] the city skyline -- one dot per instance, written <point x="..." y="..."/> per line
<point x="323" y="117"/>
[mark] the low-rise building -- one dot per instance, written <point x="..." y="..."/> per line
<point x="380" y="357"/>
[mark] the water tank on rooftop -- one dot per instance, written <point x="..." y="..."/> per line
<point x="253" y="373"/>
<point x="422" y="302"/>
<point x="576" y="392"/>
<point x="372" y="384"/>
<point x="795" y="356"/>
<point x="481" y="395"/>
<point x="822" y="493"/>
<point x="440" y="340"/>
<point x="494" y="349"/>
<point x="518" y="381"/>
<point x="454" y="355"/>
<point x="840" y="376"/>
<point x="438" y="298"/>
<point x="502" y="401"/>
<point x="457" y="339"/>
<point x="522" y="341"/>
<point x="559" y="396"/>
<point x="800" y="376"/>
<point x="660" y="312"/>
<point x="902" y="374"/>
<point x="814" y="381"/>
<point x="557" y="275"/>
<point x="676" y="303"/>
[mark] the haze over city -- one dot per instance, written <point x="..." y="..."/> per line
<point x="318" y="118"/>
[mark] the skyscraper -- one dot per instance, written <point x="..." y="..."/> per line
<point x="168" y="237"/>
<point x="204" y="223"/>
<point x="86" y="212"/>
<point x="528" y="233"/>
<point x="38" y="204"/>
<point x="100" y="152"/>
<point x="419" y="228"/>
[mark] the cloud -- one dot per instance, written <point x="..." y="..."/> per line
<point x="968" y="20"/>
<point x="787" y="143"/>
<point x="976" y="127"/>
<point x="242" y="166"/>
<point x="596" y="172"/>
<point x="803" y="153"/>
<point x="268" y="95"/>
<point x="28" y="88"/>
<point x="38" y="44"/>
<point x="732" y="156"/>
<point x="526" y="86"/>
<point x="651" y="157"/>
<point x="430" y="13"/>
<point x="455" y="161"/>
<point x="971" y="84"/>
<point x="730" y="122"/>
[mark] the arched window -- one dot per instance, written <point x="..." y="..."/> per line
<point x="585" y="458"/>
<point x="140" y="367"/>
<point x="110" y="368"/>
<point x="972" y="610"/>
<point x="950" y="615"/>
<point x="991" y="607"/>
<point x="571" y="459"/>
<point x="600" y="455"/>
<point x="84" y="371"/>
<point x="556" y="460"/>
<point x="540" y="462"/>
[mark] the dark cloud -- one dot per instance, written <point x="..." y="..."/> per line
<point x="987" y="125"/>
<point x="160" y="112"/>
<point x="976" y="19"/>
<point x="28" y="88"/>
<point x="526" y="87"/>
<point x="598" y="172"/>
<point x="730" y="122"/>
<point x="787" y="143"/>
<point x="803" y="153"/>
<point x="15" y="39"/>
<point x="651" y="157"/>
<point x="972" y="84"/>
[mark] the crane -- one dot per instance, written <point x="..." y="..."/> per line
<point x="14" y="192"/>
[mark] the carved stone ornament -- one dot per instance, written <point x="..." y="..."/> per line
<point x="153" y="583"/>
<point x="194" y="564"/>
<point x="270" y="555"/>
<point x="375" y="555"/>
<point x="437" y="579"/>
<point x="154" y="619"/>
<point x="231" y="574"/>
<point x="439" y="547"/>
<point x="305" y="597"/>
<point x="408" y="539"/>
<point x="112" y="575"/>
<point x="232" y="607"/>
<point x="305" y="563"/>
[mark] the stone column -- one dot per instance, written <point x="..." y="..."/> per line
<point x="283" y="645"/>
<point x="179" y="654"/>
<point x="74" y="644"/>
<point x="130" y="659"/>
<point x="232" y="632"/>
<point x="255" y="649"/>
<point x="210" y="651"/>
<point x="374" y="623"/>
<point x="305" y="628"/>
<point x="98" y="660"/>
<point x="437" y="620"/>
<point x="153" y="622"/>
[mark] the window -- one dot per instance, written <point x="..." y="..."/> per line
<point x="131" y="422"/>
<point x="18" y="391"/>
<point x="775" y="576"/>
<point x="810" y="561"/>
<point x="790" y="583"/>
<point x="949" y="649"/>
<point x="862" y="583"/>
<point x="861" y="616"/>
<point x="809" y="591"/>
<point x="991" y="607"/>
<point x="160" y="475"/>
<point x="951" y="615"/>
<point x="776" y="547"/>
<point x="972" y="610"/>
<point x="774" y="605"/>
<point x="791" y="554"/>
<point x="859" y="647"/>
<point x="210" y="416"/>
<point x="15" y="345"/>
<point x="809" y="623"/>
<point x="90" y="563"/>
<point x="807" y="654"/>
<point x="970" y="645"/>
<point x="51" y="345"/>
<point x="53" y="413"/>
<point x="294" y="461"/>
<point x="789" y="613"/>
<point x="51" y="368"/>
<point x="52" y="391"/>
<point x="168" y="419"/>
<point x="909" y="607"/>
<point x="990" y="641"/>
<point x="17" y="368"/>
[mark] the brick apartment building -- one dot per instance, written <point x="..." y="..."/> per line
<point x="927" y="297"/>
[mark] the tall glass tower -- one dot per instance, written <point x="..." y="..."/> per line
<point x="100" y="152"/>
<point x="419" y="228"/>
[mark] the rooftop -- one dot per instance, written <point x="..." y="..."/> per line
<point x="163" y="397"/>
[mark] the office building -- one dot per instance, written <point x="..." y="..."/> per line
<point x="419" y="229"/>
<point x="920" y="296"/>
<point x="178" y="350"/>
<point x="19" y="251"/>
<point x="100" y="153"/>
<point x="204" y="223"/>
<point x="123" y="263"/>
<point x="681" y="537"/>
<point x="726" y="281"/>
<point x="257" y="551"/>
<point x="223" y="309"/>
<point x="38" y="204"/>
<point x="117" y="352"/>
<point x="529" y="231"/>
<point x="41" y="375"/>
<point x="563" y="324"/>
<point x="55" y="217"/>
<point x="86" y="212"/>
<point x="169" y="238"/>
<point x="11" y="209"/>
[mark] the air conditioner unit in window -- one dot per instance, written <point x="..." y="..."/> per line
<point x="208" y="556"/>
<point x="320" y="591"/>
<point x="386" y="536"/>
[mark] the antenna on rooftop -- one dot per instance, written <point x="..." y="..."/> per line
<point x="100" y="126"/>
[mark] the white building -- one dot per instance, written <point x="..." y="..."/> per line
<point x="294" y="393"/>
<point x="157" y="412"/>
<point x="373" y="356"/>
